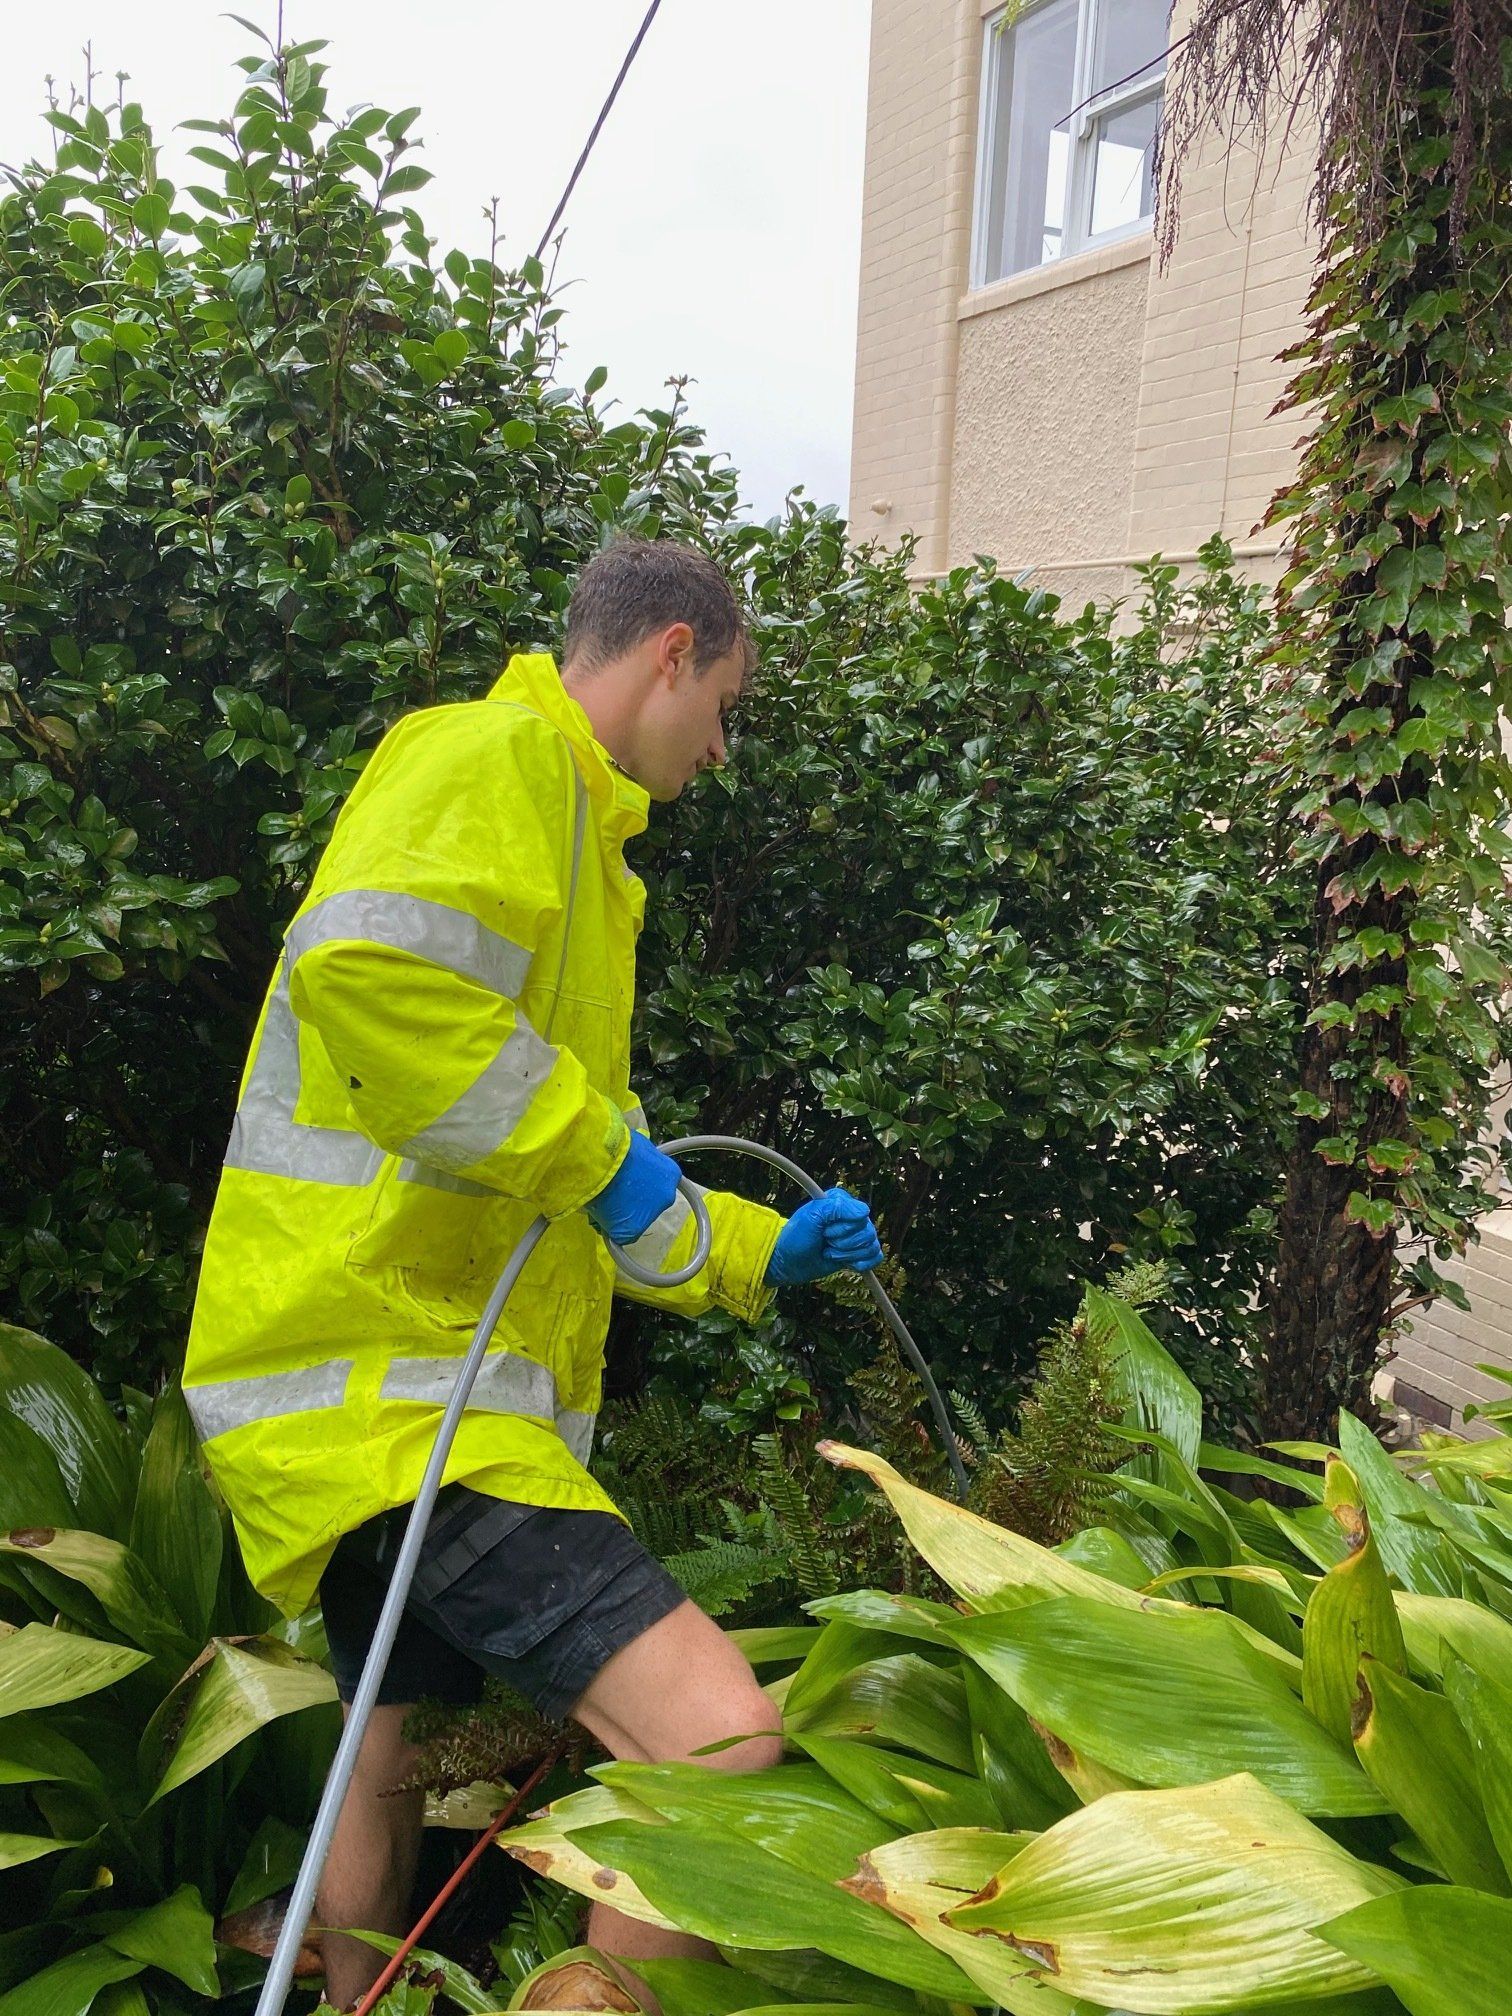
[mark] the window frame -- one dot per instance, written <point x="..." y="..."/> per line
<point x="1077" y="234"/>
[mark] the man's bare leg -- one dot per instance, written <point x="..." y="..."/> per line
<point x="371" y="1868"/>
<point x="679" y="1686"/>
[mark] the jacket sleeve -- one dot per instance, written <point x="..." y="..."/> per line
<point x="446" y="874"/>
<point x="735" y="1276"/>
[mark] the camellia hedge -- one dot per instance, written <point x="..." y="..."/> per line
<point x="991" y="914"/>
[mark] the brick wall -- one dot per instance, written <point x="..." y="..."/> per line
<point x="920" y="144"/>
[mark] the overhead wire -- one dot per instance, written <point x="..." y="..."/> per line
<point x="598" y="126"/>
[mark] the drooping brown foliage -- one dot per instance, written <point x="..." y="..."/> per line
<point x="1255" y="69"/>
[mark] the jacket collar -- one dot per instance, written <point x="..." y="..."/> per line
<point x="531" y="679"/>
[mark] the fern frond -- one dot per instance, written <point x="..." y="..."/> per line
<point x="892" y="1401"/>
<point x="972" y="1433"/>
<point x="1041" y="1481"/>
<point x="719" y="1576"/>
<point x="1142" y="1283"/>
<point x="815" y="1567"/>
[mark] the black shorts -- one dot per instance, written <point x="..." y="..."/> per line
<point x="540" y="1598"/>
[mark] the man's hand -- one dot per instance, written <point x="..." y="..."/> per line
<point x="830" y="1233"/>
<point x="636" y="1194"/>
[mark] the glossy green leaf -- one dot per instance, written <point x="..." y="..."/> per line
<point x="794" y="1812"/>
<point x="246" y="1684"/>
<point x="1433" y="1626"/>
<point x="1206" y="1898"/>
<point x="32" y="1752"/>
<point x="1444" y="1951"/>
<point x="1411" y="1743"/>
<point x="1350" y="1614"/>
<point x="176" y="1529"/>
<point x="1484" y="1709"/>
<point x="804" y="1975"/>
<point x="896" y="1616"/>
<point x="272" y="1861"/>
<point x="839" y="1650"/>
<point x="18" y="1848"/>
<point x="1144" y="1375"/>
<point x="1012" y="1758"/>
<point x="32" y="1491"/>
<point x="40" y="1666"/>
<point x="1419" y="1559"/>
<point x="1166" y="1699"/>
<point x="114" y="1576"/>
<point x="903" y="1701"/>
<point x="68" y="1987"/>
<point x="723" y="1888"/>
<point x="43" y="1387"/>
<point x="774" y="1644"/>
<point x="686" y="1987"/>
<point x="1108" y="1554"/>
<point x="908" y="1792"/>
<point x="177" y="1935"/>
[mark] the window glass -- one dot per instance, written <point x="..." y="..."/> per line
<point x="1036" y="75"/>
<point x="1071" y="108"/>
<point x="1123" y="170"/>
<point x="1129" y="33"/>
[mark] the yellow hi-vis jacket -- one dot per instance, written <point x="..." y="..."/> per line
<point x="443" y="1054"/>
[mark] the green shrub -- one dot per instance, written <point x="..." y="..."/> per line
<point x="992" y="925"/>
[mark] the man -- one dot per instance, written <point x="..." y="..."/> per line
<point x="443" y="1055"/>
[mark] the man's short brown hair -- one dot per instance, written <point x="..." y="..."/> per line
<point x="637" y="587"/>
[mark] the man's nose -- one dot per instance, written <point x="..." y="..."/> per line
<point x="717" y="749"/>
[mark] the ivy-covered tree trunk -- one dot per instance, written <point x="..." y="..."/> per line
<point x="1396" y="641"/>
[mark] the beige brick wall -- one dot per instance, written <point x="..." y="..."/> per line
<point x="1209" y="452"/>
<point x="916" y="208"/>
<point x="978" y="417"/>
<point x="1439" y="1355"/>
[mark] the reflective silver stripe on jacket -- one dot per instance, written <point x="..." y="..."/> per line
<point x="435" y="931"/>
<point x="635" y="1117"/>
<point x="265" y="1136"/>
<point x="659" y="1237"/>
<point x="265" y="1396"/>
<point x="439" y="1179"/>
<point x="487" y="1113"/>
<point x="506" y="1384"/>
<point x="576" y="1429"/>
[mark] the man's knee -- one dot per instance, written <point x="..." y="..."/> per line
<point x="677" y="1689"/>
<point x="742" y="1710"/>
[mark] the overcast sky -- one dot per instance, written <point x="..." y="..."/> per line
<point x="715" y="231"/>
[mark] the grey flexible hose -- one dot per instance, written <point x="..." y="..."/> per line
<point x="886" y="1307"/>
<point x="280" y="1973"/>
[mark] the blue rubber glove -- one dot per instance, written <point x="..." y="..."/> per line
<point x="827" y="1234"/>
<point x="636" y="1194"/>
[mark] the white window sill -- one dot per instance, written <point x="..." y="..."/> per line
<point x="1134" y="250"/>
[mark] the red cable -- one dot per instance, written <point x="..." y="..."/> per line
<point x="495" y="1826"/>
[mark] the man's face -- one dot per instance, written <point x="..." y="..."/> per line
<point x="683" y="727"/>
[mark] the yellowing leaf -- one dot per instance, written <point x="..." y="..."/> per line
<point x="987" y="1566"/>
<point x="1203" y="1899"/>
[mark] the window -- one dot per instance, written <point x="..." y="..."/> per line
<point x="1070" y="105"/>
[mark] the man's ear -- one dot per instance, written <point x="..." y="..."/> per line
<point x="674" y="657"/>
